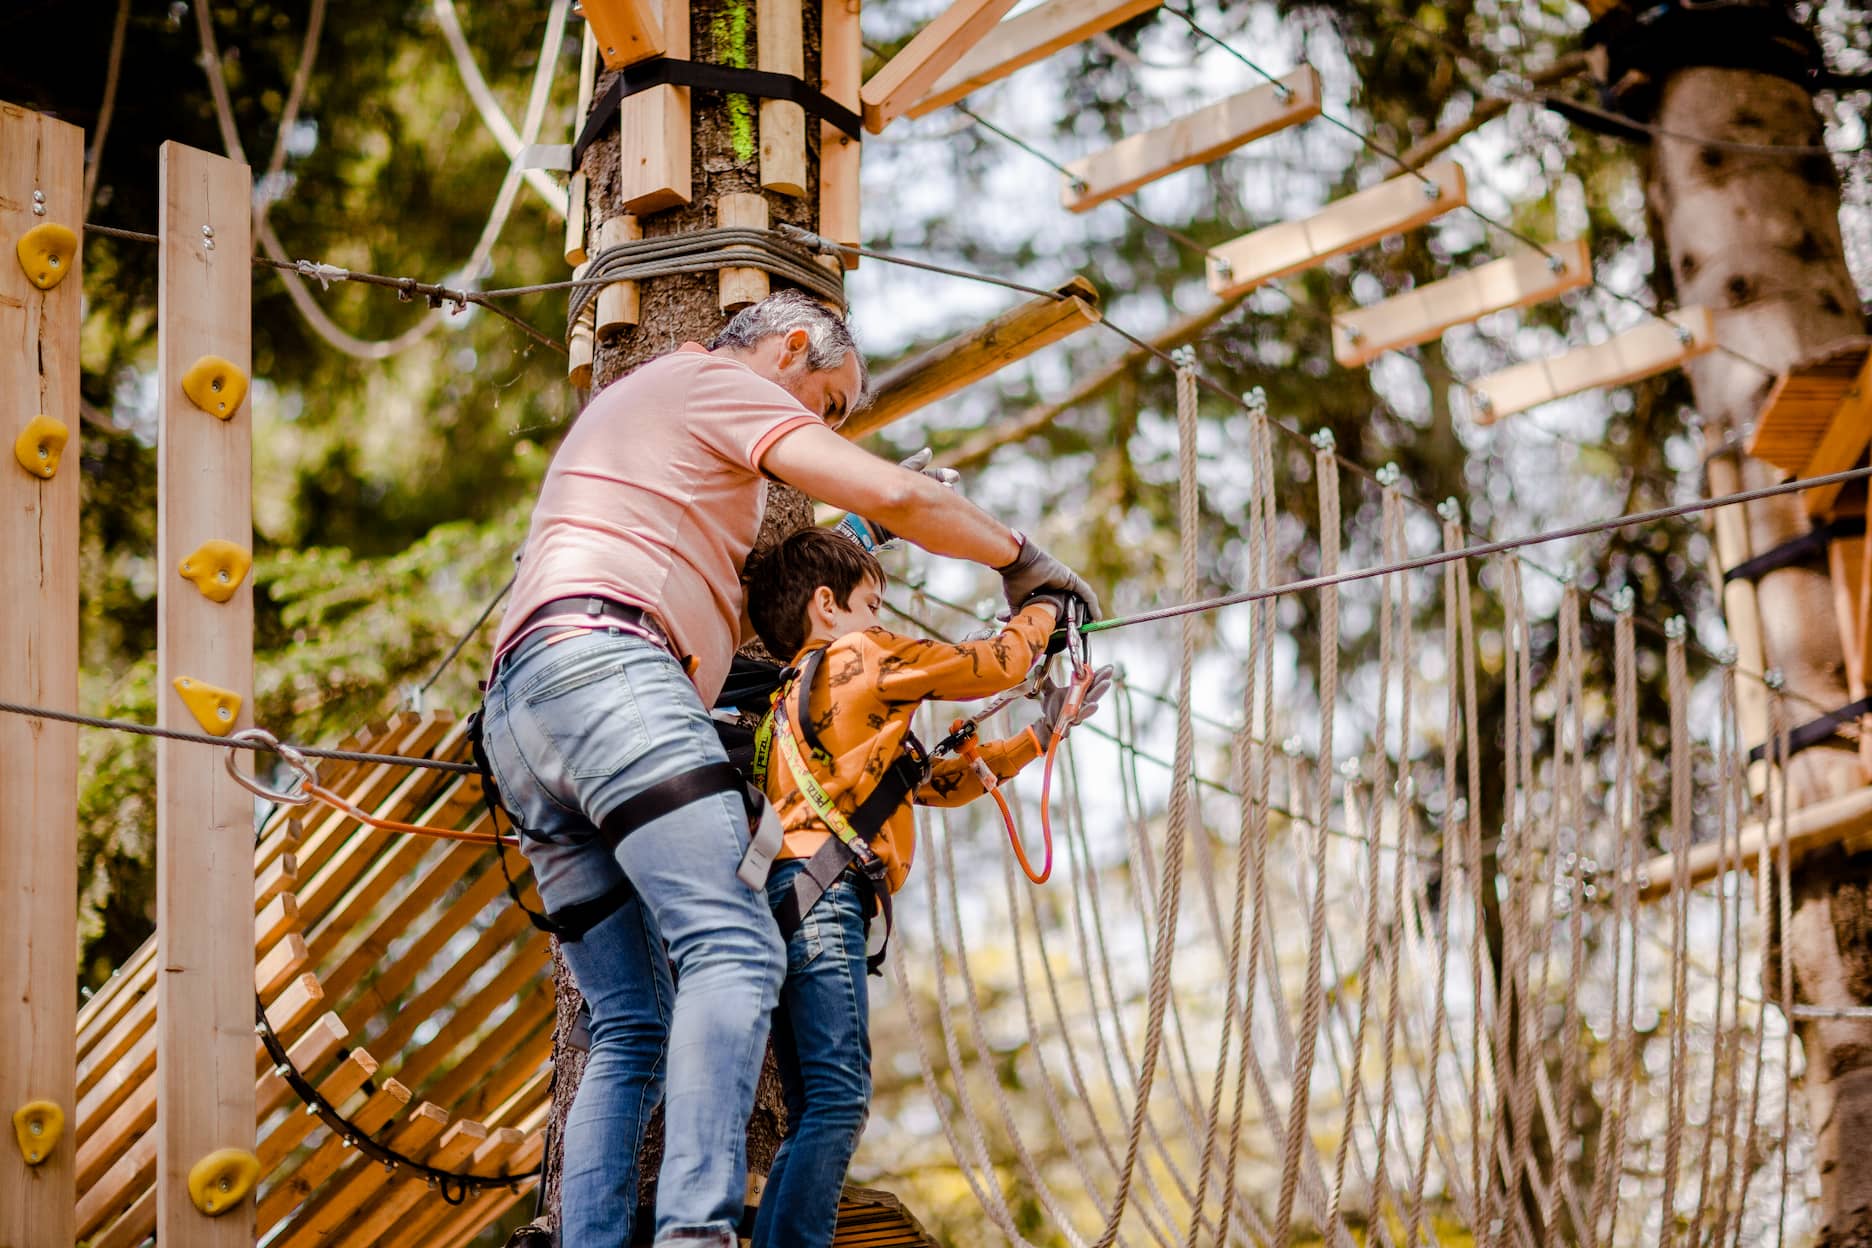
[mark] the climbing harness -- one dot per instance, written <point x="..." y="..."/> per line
<point x="850" y="842"/>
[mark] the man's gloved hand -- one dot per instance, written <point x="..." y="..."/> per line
<point x="1053" y="705"/>
<point x="873" y="536"/>
<point x="1034" y="571"/>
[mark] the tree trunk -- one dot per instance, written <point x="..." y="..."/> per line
<point x="1757" y="235"/>
<point x="674" y="310"/>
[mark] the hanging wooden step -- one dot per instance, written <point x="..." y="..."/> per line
<point x="1530" y="276"/>
<point x="1196" y="139"/>
<point x="1818" y="418"/>
<point x="910" y="75"/>
<point x="1025" y="38"/>
<point x="1644" y="351"/>
<point x="626" y="31"/>
<point x="1359" y="220"/>
<point x="961" y="361"/>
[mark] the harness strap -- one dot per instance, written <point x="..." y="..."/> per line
<point x="1806" y="548"/>
<point x="660" y="799"/>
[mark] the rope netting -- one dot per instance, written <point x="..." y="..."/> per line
<point x="1366" y="960"/>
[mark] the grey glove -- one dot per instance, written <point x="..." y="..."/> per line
<point x="873" y="536"/>
<point x="1053" y="704"/>
<point x="1034" y="571"/>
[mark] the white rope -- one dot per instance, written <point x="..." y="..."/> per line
<point x="512" y="144"/>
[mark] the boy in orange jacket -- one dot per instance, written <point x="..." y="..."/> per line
<point x="841" y="768"/>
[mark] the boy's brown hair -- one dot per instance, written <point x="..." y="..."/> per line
<point x="782" y="579"/>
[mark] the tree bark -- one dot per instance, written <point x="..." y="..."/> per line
<point x="675" y="310"/>
<point x="1757" y="236"/>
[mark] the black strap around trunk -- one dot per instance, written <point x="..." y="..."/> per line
<point x="1806" y="548"/>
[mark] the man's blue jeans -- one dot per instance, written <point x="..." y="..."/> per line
<point x="571" y="730"/>
<point x="822" y="1042"/>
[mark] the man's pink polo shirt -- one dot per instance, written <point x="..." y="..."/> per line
<point x="654" y="499"/>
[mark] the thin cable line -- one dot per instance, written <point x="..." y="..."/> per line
<point x="203" y="738"/>
<point x="467" y="636"/>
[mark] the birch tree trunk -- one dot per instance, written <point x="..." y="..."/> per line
<point x="675" y="310"/>
<point x="1756" y="235"/>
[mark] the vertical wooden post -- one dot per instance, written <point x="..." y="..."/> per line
<point x="653" y="127"/>
<point x="781" y="49"/>
<point x="576" y="188"/>
<point x="841" y="74"/>
<point x="204" y="821"/>
<point x="41" y="182"/>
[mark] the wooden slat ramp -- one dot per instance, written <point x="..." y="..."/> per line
<point x="405" y="986"/>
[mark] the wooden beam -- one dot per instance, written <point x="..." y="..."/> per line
<point x="1359" y="220"/>
<point x="626" y="31"/>
<point x="578" y="201"/>
<point x="1419" y="315"/>
<point x="653" y="130"/>
<point x="204" y="821"/>
<point x="1196" y="139"/>
<point x="910" y="75"/>
<point x="1644" y="351"/>
<point x="737" y="286"/>
<point x="948" y="367"/>
<point x="1809" y="828"/>
<point x="1024" y="39"/>
<point x="1844" y="445"/>
<point x="780" y="44"/>
<point x="39" y="619"/>
<point x="841" y="71"/>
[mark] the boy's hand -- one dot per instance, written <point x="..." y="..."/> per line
<point x="1053" y="699"/>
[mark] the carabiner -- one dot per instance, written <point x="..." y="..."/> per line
<point x="302" y="770"/>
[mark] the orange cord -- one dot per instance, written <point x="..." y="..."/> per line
<point x="1081" y="683"/>
<point x="414" y="829"/>
<point x="971" y="750"/>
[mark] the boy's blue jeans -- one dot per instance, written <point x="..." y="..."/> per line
<point x="571" y="730"/>
<point x="822" y="1042"/>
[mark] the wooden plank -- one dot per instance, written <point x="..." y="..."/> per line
<point x="653" y="128"/>
<point x="1357" y="221"/>
<point x="910" y="75"/>
<point x="1202" y="136"/>
<point x="1024" y="39"/>
<point x="334" y="1206"/>
<point x="204" y="820"/>
<point x="465" y="1223"/>
<point x="277" y="877"/>
<point x="127" y="985"/>
<point x="512" y="1075"/>
<point x="510" y="1048"/>
<point x="1844" y="445"/>
<point x="272" y="923"/>
<point x="280" y="964"/>
<point x="841" y="71"/>
<point x="1812" y="827"/>
<point x="356" y="1070"/>
<point x="39" y="619"/>
<point x="456" y="1147"/>
<point x="370" y="947"/>
<point x="1800" y="408"/>
<point x="1644" y="351"/>
<point x="626" y="31"/>
<point x="780" y="42"/>
<point x="1405" y="320"/>
<point x="581" y="338"/>
<point x="618" y="307"/>
<point x="293" y="1189"/>
<point x="491" y="1158"/>
<point x="948" y="367"/>
<point x="466" y="1021"/>
<point x="739" y="286"/>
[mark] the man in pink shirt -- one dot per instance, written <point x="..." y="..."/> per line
<point x="624" y="618"/>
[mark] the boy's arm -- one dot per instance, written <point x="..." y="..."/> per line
<point x="917" y="670"/>
<point x="954" y="782"/>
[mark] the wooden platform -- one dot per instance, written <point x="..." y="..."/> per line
<point x="871" y="1219"/>
<point x="1818" y="418"/>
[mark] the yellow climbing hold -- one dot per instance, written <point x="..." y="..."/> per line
<point x="39" y="445"/>
<point x="222" y="1179"/>
<point x="215" y="385"/>
<point x="214" y="708"/>
<point x="38" y="1125"/>
<point x="217" y="568"/>
<point x="46" y="253"/>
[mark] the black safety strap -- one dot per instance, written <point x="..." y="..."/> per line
<point x="1814" y="731"/>
<point x="1806" y="548"/>
<point x="663" y="71"/>
<point x="899" y="781"/>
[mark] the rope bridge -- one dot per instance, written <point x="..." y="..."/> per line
<point x="1401" y="989"/>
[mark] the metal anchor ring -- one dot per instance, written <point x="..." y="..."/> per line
<point x="294" y="759"/>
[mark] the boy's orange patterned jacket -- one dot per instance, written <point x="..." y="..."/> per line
<point x="871" y="683"/>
